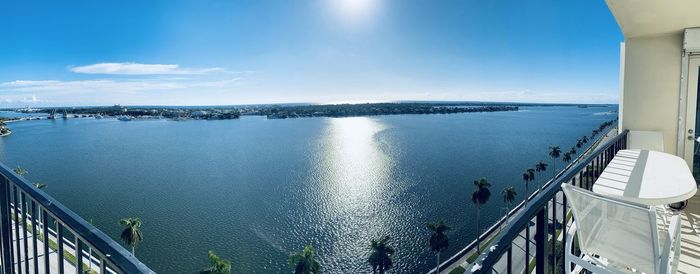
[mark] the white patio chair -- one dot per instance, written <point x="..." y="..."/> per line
<point x="649" y="140"/>
<point x="619" y="237"/>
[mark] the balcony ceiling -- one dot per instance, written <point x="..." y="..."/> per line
<point x="651" y="17"/>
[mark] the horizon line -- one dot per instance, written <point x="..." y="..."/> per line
<point x="321" y="103"/>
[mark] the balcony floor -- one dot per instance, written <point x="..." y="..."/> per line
<point x="690" y="237"/>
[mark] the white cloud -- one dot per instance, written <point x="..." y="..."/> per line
<point x="140" y="69"/>
<point x="90" y="85"/>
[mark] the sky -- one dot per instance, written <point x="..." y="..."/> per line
<point x="210" y="52"/>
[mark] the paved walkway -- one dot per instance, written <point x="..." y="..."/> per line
<point x="68" y="267"/>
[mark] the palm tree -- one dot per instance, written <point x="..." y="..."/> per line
<point x="508" y="194"/>
<point x="304" y="261"/>
<point x="579" y="143"/>
<point x="23" y="171"/>
<point x="480" y="196"/>
<point x="380" y="258"/>
<point x="217" y="265"/>
<point x="567" y="157"/>
<point x="540" y="167"/>
<point x="528" y="176"/>
<point x="572" y="151"/>
<point x="585" y="139"/>
<point x="20" y="171"/>
<point x="554" y="152"/>
<point x="438" y="240"/>
<point x="131" y="235"/>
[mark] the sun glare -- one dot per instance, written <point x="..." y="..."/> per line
<point x="355" y="11"/>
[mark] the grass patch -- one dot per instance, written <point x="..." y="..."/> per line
<point x="458" y="270"/>
<point x="70" y="257"/>
<point x="531" y="265"/>
<point x="54" y="246"/>
<point x="533" y="261"/>
<point x="475" y="255"/>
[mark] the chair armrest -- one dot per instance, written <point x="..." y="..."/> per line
<point x="671" y="246"/>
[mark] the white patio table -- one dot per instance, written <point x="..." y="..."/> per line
<point x="647" y="177"/>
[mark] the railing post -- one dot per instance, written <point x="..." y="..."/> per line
<point x="509" y="262"/>
<point x="23" y="200"/>
<point x="45" y="232"/>
<point x="564" y="222"/>
<point x="541" y="242"/>
<point x="527" y="247"/>
<point x="59" y="241"/>
<point x="5" y="228"/>
<point x="79" y="256"/>
<point x="15" y="209"/>
<point x="554" y="233"/>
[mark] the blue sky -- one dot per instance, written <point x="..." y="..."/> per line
<point x="262" y="51"/>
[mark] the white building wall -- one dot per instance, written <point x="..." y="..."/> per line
<point x="650" y="92"/>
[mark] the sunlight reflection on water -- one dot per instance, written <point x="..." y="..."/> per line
<point x="354" y="178"/>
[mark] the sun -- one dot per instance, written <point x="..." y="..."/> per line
<point x="355" y="11"/>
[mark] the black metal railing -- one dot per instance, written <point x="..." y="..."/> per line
<point x="502" y="254"/>
<point x="490" y="231"/>
<point x="40" y="235"/>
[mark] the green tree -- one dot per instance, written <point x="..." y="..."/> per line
<point x="131" y="235"/>
<point x="528" y="176"/>
<point x="304" y="261"/>
<point x="480" y="196"/>
<point x="20" y="171"/>
<point x="567" y="157"/>
<point x="554" y="152"/>
<point x="380" y="257"/>
<point x="217" y="265"/>
<point x="438" y="240"/>
<point x="508" y="194"/>
<point x="541" y="167"/>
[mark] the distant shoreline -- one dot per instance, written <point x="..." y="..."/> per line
<point x="284" y="111"/>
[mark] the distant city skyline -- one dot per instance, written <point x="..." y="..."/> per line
<point x="315" y="51"/>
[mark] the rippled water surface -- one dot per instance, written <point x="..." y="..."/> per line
<point x="254" y="190"/>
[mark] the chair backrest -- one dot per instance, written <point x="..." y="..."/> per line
<point x="624" y="233"/>
<point x="649" y="140"/>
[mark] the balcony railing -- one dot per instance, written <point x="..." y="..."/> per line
<point x="40" y="235"/>
<point x="498" y="257"/>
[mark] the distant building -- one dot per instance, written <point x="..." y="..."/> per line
<point x="199" y="113"/>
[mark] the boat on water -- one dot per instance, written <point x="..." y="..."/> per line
<point x="52" y="116"/>
<point x="125" y="118"/>
<point x="4" y="130"/>
<point x="97" y="116"/>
